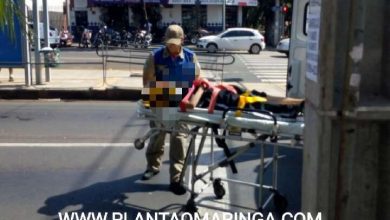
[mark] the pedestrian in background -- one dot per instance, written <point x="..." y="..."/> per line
<point x="79" y="32"/>
<point x="10" y="77"/>
<point x="148" y="27"/>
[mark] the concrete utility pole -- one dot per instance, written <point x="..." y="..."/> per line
<point x="277" y="21"/>
<point x="224" y="15"/>
<point x="37" y="44"/>
<point x="198" y="14"/>
<point x="46" y="32"/>
<point x="68" y="16"/>
<point x="25" y="44"/>
<point x="346" y="165"/>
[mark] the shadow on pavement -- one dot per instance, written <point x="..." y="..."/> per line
<point x="281" y="56"/>
<point x="105" y="197"/>
<point x="232" y="79"/>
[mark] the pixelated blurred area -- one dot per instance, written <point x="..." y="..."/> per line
<point x="164" y="93"/>
<point x="166" y="114"/>
<point x="179" y="73"/>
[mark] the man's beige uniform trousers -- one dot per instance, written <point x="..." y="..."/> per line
<point x="177" y="150"/>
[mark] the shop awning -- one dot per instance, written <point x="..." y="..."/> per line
<point x="214" y="2"/>
<point x="120" y="2"/>
<point x="174" y="2"/>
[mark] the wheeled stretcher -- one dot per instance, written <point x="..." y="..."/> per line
<point x="264" y="128"/>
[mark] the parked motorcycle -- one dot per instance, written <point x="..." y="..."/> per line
<point x="66" y="39"/>
<point x="194" y="36"/>
<point x="148" y="40"/>
<point x="126" y="39"/>
<point x="143" y="39"/>
<point x="115" y="38"/>
<point x="86" y="38"/>
<point x="101" y="39"/>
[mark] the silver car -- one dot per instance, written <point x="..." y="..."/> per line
<point x="284" y="46"/>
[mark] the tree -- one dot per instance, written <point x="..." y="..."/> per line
<point x="262" y="17"/>
<point x="7" y="17"/>
<point x="8" y="10"/>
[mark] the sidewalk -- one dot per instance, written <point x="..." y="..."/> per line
<point x="89" y="84"/>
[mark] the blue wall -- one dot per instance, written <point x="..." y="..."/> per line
<point x="11" y="50"/>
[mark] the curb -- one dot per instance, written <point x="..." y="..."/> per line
<point x="77" y="94"/>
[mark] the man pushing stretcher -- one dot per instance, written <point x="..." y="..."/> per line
<point x="171" y="73"/>
<point x="168" y="74"/>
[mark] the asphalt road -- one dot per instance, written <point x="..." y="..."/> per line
<point x="69" y="122"/>
<point x="77" y="157"/>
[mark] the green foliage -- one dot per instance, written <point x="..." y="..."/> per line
<point x="8" y="10"/>
<point x="7" y="17"/>
<point x="255" y="16"/>
<point x="259" y="17"/>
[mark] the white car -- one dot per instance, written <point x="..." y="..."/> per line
<point x="234" y="39"/>
<point x="284" y="46"/>
<point x="54" y="35"/>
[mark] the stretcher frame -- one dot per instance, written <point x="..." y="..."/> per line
<point x="193" y="154"/>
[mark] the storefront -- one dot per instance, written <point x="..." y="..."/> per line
<point x="209" y="12"/>
<point x="130" y="14"/>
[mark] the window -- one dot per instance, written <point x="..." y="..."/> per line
<point x="81" y="18"/>
<point x="232" y="34"/>
<point x="246" y="34"/>
<point x="189" y="17"/>
<point x="231" y="16"/>
<point x="305" y="24"/>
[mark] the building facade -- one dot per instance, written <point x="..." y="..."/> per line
<point x="123" y="14"/>
<point x="56" y="12"/>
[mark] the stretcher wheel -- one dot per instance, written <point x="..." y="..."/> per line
<point x="219" y="190"/>
<point x="280" y="203"/>
<point x="139" y="144"/>
<point x="190" y="207"/>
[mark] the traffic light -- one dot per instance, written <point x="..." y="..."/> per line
<point x="284" y="9"/>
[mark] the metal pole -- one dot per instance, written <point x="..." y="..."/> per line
<point x="26" y="45"/>
<point x="198" y="14"/>
<point x="68" y="16"/>
<point x="277" y="18"/>
<point x="261" y="173"/>
<point x="224" y="15"/>
<point x="46" y="33"/>
<point x="37" y="44"/>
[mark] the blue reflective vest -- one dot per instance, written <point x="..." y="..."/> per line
<point x="180" y="69"/>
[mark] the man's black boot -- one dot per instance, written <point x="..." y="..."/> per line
<point x="177" y="188"/>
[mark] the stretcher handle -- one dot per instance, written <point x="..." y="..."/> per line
<point x="251" y="110"/>
<point x="190" y="102"/>
<point x="183" y="103"/>
<point x="215" y="93"/>
<point x="194" y="100"/>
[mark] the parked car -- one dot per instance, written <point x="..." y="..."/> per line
<point x="54" y="36"/>
<point x="234" y="39"/>
<point x="284" y="46"/>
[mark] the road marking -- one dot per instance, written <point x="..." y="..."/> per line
<point x="267" y="70"/>
<point x="67" y="145"/>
